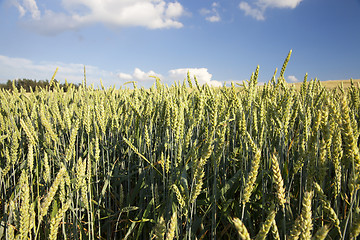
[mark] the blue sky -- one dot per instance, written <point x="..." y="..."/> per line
<point x="218" y="41"/>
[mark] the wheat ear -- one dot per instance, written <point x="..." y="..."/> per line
<point x="265" y="227"/>
<point x="278" y="181"/>
<point x="173" y="223"/>
<point x="241" y="229"/>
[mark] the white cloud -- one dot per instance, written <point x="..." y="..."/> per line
<point x="20" y="8"/>
<point x="32" y="7"/>
<point x="152" y="14"/>
<point x="279" y="3"/>
<point x="202" y="75"/>
<point x="253" y="12"/>
<point x="174" y="10"/>
<point x="259" y="7"/>
<point x="125" y="76"/>
<point x="139" y="75"/>
<point x="214" y="18"/>
<point x="213" y="14"/>
<point x="292" y="78"/>
<point x="27" y="5"/>
<point x="143" y="76"/>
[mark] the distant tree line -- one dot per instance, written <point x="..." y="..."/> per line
<point x="26" y="84"/>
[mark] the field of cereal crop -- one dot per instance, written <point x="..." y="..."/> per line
<point x="181" y="162"/>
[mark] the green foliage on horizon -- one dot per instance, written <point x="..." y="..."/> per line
<point x="30" y="85"/>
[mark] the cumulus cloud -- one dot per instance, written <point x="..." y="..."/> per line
<point x="125" y="76"/>
<point x="259" y="7"/>
<point x="174" y="10"/>
<point x="211" y="15"/>
<point x="292" y="78"/>
<point x="279" y="3"/>
<point x="139" y="75"/>
<point x="202" y="75"/>
<point x="152" y="14"/>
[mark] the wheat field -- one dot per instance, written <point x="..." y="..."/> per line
<point x="331" y="84"/>
<point x="181" y="162"/>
